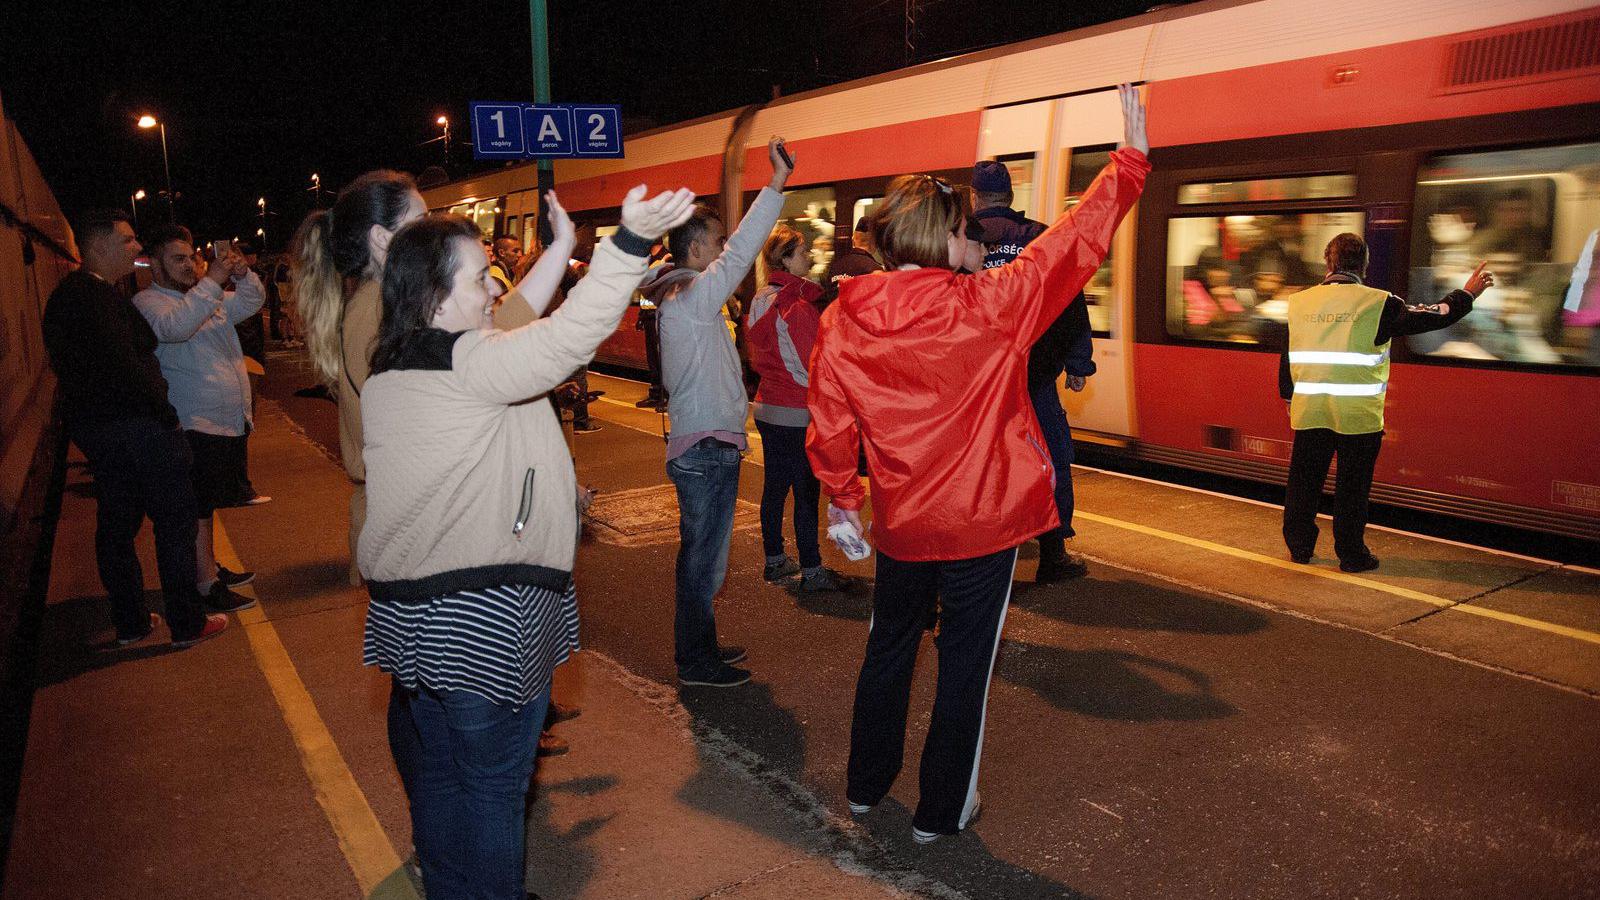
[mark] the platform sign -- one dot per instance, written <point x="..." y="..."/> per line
<point x="497" y="131"/>
<point x="544" y="131"/>
<point x="548" y="129"/>
<point x="599" y="130"/>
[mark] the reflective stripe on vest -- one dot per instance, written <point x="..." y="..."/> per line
<point x="1340" y="374"/>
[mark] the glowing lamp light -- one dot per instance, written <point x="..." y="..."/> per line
<point x="139" y="194"/>
<point x="147" y="121"/>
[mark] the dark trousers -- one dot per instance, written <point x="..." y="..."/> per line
<point x="1314" y="449"/>
<point x="788" y="469"/>
<point x="141" y="468"/>
<point x="652" y="352"/>
<point x="1058" y="441"/>
<point x="465" y="762"/>
<point x="971" y="597"/>
<point x="707" y="479"/>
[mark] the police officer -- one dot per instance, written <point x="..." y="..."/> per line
<point x="1065" y="346"/>
<point x="1335" y="375"/>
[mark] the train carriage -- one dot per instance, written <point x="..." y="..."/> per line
<point x="1443" y="131"/>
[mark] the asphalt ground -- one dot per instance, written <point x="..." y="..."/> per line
<point x="1192" y="719"/>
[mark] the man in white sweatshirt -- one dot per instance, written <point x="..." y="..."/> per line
<point x="701" y="371"/>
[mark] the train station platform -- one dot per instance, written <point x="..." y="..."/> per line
<point x="1199" y="716"/>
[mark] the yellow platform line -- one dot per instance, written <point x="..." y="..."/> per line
<point x="1345" y="577"/>
<point x="366" y="847"/>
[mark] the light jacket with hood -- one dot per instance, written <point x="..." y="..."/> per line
<point x="699" y="362"/>
<point x="928" y="369"/>
<point x="780" y="330"/>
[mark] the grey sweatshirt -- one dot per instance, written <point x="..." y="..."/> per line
<point x="699" y="363"/>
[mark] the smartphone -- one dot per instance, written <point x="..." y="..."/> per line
<point x="783" y="154"/>
<point x="220" y="247"/>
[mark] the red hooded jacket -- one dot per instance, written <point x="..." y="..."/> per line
<point x="928" y="369"/>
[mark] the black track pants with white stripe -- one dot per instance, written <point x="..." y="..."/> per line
<point x="971" y="596"/>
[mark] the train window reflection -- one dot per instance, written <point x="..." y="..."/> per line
<point x="1533" y="215"/>
<point x="811" y="211"/>
<point x="1228" y="276"/>
<point x="1085" y="163"/>
<point x="864" y="208"/>
<point x="1259" y="190"/>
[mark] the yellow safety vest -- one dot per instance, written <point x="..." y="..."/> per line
<point x="1340" y="374"/>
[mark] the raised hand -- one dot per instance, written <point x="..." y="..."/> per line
<point x="1480" y="281"/>
<point x="561" y="227"/>
<point x="650" y="219"/>
<point x="1133" y="130"/>
<point x="781" y="168"/>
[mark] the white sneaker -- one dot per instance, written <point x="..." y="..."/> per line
<point x="858" y="809"/>
<point x="928" y="837"/>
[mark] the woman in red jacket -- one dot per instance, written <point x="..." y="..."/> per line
<point x="928" y="369"/>
<point x="779" y="330"/>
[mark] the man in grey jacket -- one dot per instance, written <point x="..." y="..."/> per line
<point x="707" y="405"/>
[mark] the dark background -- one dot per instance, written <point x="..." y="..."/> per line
<point x="258" y="96"/>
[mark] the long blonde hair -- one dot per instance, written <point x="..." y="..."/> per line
<point x="331" y="256"/>
<point x="782" y="242"/>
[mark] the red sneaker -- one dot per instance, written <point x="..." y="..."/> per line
<point x="216" y="623"/>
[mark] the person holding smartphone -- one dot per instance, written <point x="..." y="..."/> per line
<point x="708" y="405"/>
<point x="194" y="318"/>
<point x="928" y="369"/>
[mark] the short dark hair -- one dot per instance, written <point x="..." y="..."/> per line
<point x="417" y="276"/>
<point x="679" y="239"/>
<point x="1347" y="252"/>
<point x="162" y="235"/>
<point x="97" y="223"/>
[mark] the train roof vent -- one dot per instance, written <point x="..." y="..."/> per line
<point x="1559" y="50"/>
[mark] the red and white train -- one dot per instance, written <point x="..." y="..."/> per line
<point x="1444" y="130"/>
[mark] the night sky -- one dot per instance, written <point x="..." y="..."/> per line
<point x="258" y="96"/>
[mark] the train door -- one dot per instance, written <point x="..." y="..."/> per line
<point x="1053" y="149"/>
<point x="1088" y="128"/>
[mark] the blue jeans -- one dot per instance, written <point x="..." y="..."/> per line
<point x="1058" y="441"/>
<point x="707" y="479"/>
<point x="465" y="762"/>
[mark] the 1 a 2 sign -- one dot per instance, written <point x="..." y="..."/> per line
<point x="534" y="131"/>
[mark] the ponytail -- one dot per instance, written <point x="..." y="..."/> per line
<point x="319" y="296"/>
<point x="332" y="256"/>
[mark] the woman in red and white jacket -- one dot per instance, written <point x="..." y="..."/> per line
<point x="928" y="368"/>
<point x="780" y="330"/>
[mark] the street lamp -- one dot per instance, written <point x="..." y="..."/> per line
<point x="445" y="123"/>
<point x="261" y="204"/>
<point x="137" y="196"/>
<point x="148" y="121"/>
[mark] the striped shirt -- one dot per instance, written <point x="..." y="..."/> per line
<point x="499" y="643"/>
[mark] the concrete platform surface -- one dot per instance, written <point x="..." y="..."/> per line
<point x="1197" y="717"/>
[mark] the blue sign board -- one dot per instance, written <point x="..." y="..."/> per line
<point x="497" y="131"/>
<point x="534" y="131"/>
<point x="549" y="130"/>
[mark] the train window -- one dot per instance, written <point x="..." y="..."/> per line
<point x="811" y="211"/>
<point x="863" y="208"/>
<point x="1083" y="165"/>
<point x="1227" y="276"/>
<point x="1533" y="215"/>
<point x="1259" y="190"/>
<point x="514" y="227"/>
<point x="483" y="214"/>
